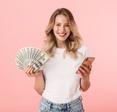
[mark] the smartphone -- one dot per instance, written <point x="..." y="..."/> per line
<point x="88" y="61"/>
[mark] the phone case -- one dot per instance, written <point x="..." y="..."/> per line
<point x="88" y="61"/>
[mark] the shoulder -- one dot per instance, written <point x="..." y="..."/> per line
<point x="84" y="50"/>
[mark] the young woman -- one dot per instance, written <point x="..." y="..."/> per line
<point x="64" y="76"/>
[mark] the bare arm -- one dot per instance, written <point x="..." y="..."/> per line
<point x="84" y="73"/>
<point x="84" y="83"/>
<point x="39" y="82"/>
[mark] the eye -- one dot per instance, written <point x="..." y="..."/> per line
<point x="67" y="25"/>
<point x="58" y="24"/>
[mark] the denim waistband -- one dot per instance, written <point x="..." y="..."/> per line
<point x="69" y="104"/>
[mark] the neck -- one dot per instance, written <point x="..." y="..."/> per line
<point x="60" y="44"/>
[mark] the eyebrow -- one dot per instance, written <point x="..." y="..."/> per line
<point x="60" y="23"/>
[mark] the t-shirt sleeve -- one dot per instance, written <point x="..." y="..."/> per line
<point x="84" y="51"/>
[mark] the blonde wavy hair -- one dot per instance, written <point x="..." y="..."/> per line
<point x="72" y="43"/>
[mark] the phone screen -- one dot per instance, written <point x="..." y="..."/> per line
<point x="88" y="61"/>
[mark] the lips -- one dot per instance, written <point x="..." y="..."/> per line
<point x="62" y="34"/>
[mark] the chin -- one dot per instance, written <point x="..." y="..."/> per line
<point x="61" y="38"/>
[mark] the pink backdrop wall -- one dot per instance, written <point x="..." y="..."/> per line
<point x="22" y="23"/>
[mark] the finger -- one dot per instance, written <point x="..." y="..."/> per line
<point x="81" y="71"/>
<point x="86" y="69"/>
<point x="28" y="72"/>
<point x="26" y="69"/>
<point x="32" y="73"/>
<point x="88" y="66"/>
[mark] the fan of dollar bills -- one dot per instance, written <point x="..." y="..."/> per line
<point x="31" y="56"/>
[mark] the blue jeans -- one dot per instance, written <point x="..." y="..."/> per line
<point x="73" y="106"/>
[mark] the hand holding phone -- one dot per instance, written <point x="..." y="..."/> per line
<point x="88" y="61"/>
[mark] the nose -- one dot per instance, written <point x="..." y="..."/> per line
<point x="62" y="29"/>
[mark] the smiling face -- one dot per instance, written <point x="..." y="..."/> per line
<point x="62" y="32"/>
<point x="61" y="29"/>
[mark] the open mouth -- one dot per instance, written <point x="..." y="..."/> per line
<point x="61" y="34"/>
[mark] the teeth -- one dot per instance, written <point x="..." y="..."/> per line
<point x="62" y="34"/>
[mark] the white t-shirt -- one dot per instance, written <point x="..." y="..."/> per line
<point x="62" y="82"/>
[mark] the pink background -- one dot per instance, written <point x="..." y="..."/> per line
<point x="22" y="23"/>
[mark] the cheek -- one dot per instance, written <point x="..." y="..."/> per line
<point x="68" y="31"/>
<point x="55" y="30"/>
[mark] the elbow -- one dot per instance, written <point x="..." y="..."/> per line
<point x="38" y="90"/>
